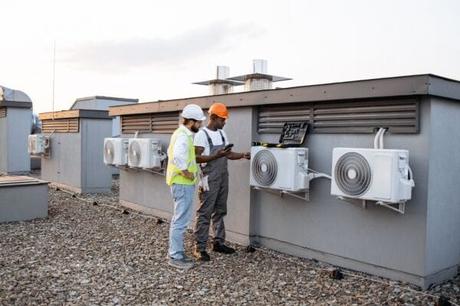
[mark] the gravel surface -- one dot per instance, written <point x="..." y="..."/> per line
<point x="96" y="254"/>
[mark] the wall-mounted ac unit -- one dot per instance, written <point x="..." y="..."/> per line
<point x="144" y="153"/>
<point x="281" y="169"/>
<point x="38" y="144"/>
<point x="371" y="174"/>
<point x="116" y="151"/>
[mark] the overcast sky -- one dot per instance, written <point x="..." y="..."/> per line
<point x="154" y="50"/>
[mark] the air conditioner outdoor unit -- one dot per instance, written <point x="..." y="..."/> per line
<point x="38" y="144"/>
<point x="145" y="153"/>
<point x="278" y="168"/>
<point x="116" y="151"/>
<point x="381" y="175"/>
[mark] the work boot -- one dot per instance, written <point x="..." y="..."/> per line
<point x="222" y="248"/>
<point x="201" y="255"/>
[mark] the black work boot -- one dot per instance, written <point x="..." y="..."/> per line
<point x="222" y="248"/>
<point x="201" y="255"/>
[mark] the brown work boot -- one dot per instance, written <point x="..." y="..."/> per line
<point x="201" y="255"/>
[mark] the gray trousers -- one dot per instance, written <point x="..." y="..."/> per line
<point x="213" y="207"/>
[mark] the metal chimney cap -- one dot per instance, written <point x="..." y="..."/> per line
<point x="245" y="77"/>
<point x="219" y="81"/>
<point x="259" y="72"/>
<point x="222" y="74"/>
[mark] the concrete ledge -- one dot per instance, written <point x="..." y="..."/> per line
<point x="97" y="190"/>
<point x="422" y="281"/>
<point x="65" y="187"/>
<point x="23" y="202"/>
<point x="237" y="238"/>
<point x="79" y="190"/>
<point x="15" y="173"/>
<point x="147" y="210"/>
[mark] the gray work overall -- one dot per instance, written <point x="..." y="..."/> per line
<point x="213" y="203"/>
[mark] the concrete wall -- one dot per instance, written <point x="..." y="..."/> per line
<point x="345" y="234"/>
<point x="64" y="164"/>
<point x="443" y="216"/>
<point x="14" y="132"/>
<point x="19" y="128"/>
<point x="96" y="176"/>
<point x="3" y="145"/>
<point x="148" y="192"/>
<point x="26" y="202"/>
<point x="77" y="159"/>
<point x="420" y="246"/>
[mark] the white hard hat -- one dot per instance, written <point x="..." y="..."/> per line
<point x="193" y="111"/>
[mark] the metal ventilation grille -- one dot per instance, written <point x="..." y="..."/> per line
<point x="2" y="112"/>
<point x="397" y="115"/>
<point x="134" y="153"/>
<point x="109" y="151"/>
<point x="264" y="168"/>
<point x="158" y="123"/>
<point x="353" y="174"/>
<point x="69" y="125"/>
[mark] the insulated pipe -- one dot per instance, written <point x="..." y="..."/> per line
<point x="376" y="139"/>
<point x="381" y="139"/>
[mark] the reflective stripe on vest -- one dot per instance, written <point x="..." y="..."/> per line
<point x="172" y="172"/>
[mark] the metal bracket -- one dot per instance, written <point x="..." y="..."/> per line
<point x="398" y="207"/>
<point x="299" y="195"/>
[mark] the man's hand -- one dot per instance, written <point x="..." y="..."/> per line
<point x="187" y="174"/>
<point x="222" y="153"/>
<point x="247" y="155"/>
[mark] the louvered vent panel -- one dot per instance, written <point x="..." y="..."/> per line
<point x="150" y="123"/>
<point x="399" y="116"/>
<point x="68" y="125"/>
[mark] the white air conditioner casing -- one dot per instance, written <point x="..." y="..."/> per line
<point x="116" y="151"/>
<point x="278" y="168"/>
<point x="144" y="153"/>
<point x="38" y="144"/>
<point x="371" y="174"/>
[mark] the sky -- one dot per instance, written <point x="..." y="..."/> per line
<point x="154" y="50"/>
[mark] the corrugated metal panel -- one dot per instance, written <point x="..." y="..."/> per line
<point x="2" y="112"/>
<point x="70" y="125"/>
<point x="398" y="116"/>
<point x="160" y="123"/>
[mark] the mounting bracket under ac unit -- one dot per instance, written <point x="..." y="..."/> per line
<point x="299" y="195"/>
<point x="398" y="207"/>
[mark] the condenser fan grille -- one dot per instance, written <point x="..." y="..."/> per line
<point x="135" y="153"/>
<point x="264" y="168"/>
<point x="353" y="174"/>
<point x="109" y="151"/>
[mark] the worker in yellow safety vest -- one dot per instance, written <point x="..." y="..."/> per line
<point x="181" y="176"/>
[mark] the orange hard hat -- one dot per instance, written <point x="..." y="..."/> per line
<point x="219" y="109"/>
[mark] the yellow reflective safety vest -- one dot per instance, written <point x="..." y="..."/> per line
<point x="173" y="175"/>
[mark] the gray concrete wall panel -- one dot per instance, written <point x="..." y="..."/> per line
<point x="3" y="145"/>
<point x="14" y="132"/>
<point x="443" y="217"/>
<point x="375" y="235"/>
<point x="64" y="164"/>
<point x="19" y="203"/>
<point x="96" y="176"/>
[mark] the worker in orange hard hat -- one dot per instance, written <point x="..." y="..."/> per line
<point x="212" y="152"/>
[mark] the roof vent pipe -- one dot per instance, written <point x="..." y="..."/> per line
<point x="259" y="79"/>
<point x="220" y="85"/>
